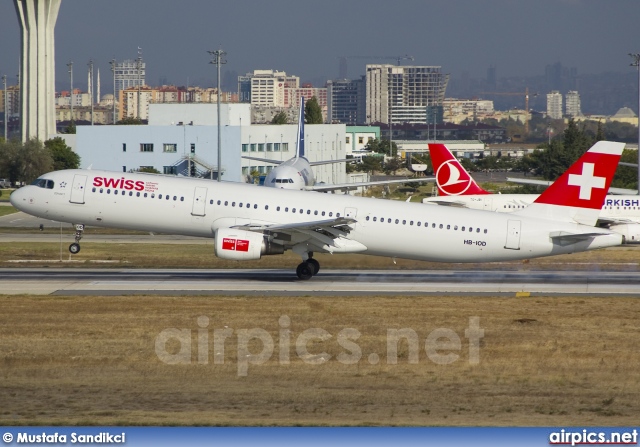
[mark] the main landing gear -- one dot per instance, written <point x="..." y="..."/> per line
<point x="307" y="268"/>
<point x="75" y="247"/>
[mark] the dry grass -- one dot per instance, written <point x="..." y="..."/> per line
<point x="201" y="256"/>
<point x="543" y="361"/>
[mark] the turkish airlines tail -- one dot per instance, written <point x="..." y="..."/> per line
<point x="579" y="193"/>
<point x="452" y="179"/>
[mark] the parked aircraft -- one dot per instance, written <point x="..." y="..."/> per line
<point x="620" y="213"/>
<point x="296" y="173"/>
<point x="248" y="222"/>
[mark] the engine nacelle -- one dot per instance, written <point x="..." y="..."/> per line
<point x="631" y="232"/>
<point x="240" y="245"/>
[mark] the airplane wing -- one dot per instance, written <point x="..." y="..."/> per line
<point x="328" y="162"/>
<point x="265" y="160"/>
<point x="328" y="235"/>
<point x="525" y="181"/>
<point x="447" y="203"/>
<point x="563" y="238"/>
<point x="351" y="186"/>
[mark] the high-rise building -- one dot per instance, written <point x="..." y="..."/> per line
<point x="404" y="94"/>
<point x="346" y="101"/>
<point x="266" y="87"/>
<point x="554" y="105"/>
<point x="572" y="104"/>
<point x="129" y="73"/>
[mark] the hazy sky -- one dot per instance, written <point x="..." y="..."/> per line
<point x="306" y="38"/>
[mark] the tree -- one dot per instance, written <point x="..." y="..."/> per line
<point x="280" y="118"/>
<point x="130" y="120"/>
<point x="24" y="162"/>
<point x="382" y="147"/>
<point x="391" y="165"/>
<point x="370" y="164"/>
<point x="62" y="155"/>
<point x="312" y="112"/>
<point x="71" y="128"/>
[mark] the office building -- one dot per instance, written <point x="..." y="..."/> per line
<point x="346" y="101"/>
<point x="572" y="104"/>
<point x="554" y="105"/>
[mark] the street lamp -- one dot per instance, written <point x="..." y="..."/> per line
<point x="4" y="102"/>
<point x="218" y="59"/>
<point x="70" y="65"/>
<point x="636" y="63"/>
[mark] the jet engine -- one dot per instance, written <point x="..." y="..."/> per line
<point x="240" y="245"/>
<point x="631" y="232"/>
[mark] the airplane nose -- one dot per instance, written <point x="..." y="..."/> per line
<point x="18" y="198"/>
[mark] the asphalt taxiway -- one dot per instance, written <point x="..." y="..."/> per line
<point x="270" y="282"/>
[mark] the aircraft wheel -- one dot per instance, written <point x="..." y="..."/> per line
<point x="74" y="248"/>
<point x="304" y="271"/>
<point x="315" y="264"/>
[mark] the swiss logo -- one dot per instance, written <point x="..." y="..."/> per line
<point x="235" y="244"/>
<point x="449" y="181"/>
<point x="587" y="181"/>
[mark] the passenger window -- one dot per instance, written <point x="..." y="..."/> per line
<point x="323" y="213"/>
<point x="101" y="190"/>
<point x="93" y="190"/>
<point x="433" y="225"/>
<point x="293" y="210"/>
<point x="477" y="230"/>
<point x="286" y="209"/>
<point x="153" y="195"/>
<point x="441" y="226"/>
<point x="255" y="206"/>
<point x="167" y="197"/>
<point x="226" y="203"/>
<point x="130" y="193"/>
<point x="277" y="209"/>
<point x="448" y="227"/>
<point x="160" y="196"/>
<point x="138" y="194"/>
<point x="462" y="228"/>
<point x="411" y="223"/>
<point x="233" y="203"/>
<point x="337" y="214"/>
<point x="404" y="222"/>
<point x="240" y="205"/>
<point x="301" y="211"/>
<point x="389" y="220"/>
<point x="266" y="207"/>
<point x="418" y="224"/>
<point x="397" y="221"/>
<point x="470" y="229"/>
<point x="330" y="213"/>
<point x="145" y="195"/>
<point x="308" y="211"/>
<point x="210" y="202"/>
<point x="455" y="228"/>
<point x="182" y="199"/>
<point x="485" y="231"/>
<point x="108" y="191"/>
<point x="375" y="219"/>
<point x="175" y="198"/>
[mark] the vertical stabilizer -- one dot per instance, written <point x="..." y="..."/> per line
<point x="452" y="178"/>
<point x="579" y="193"/>
<point x="300" y="145"/>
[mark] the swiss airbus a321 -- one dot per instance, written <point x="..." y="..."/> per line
<point x="619" y="213"/>
<point x="249" y="222"/>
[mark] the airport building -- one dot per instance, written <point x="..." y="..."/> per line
<point x="183" y="138"/>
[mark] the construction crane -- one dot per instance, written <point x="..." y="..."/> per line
<point x="526" y="103"/>
<point x="343" y="71"/>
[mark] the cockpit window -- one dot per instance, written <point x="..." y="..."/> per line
<point x="43" y="183"/>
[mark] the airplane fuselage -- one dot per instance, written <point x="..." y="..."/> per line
<point x="199" y="207"/>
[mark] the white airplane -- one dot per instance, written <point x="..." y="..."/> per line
<point x="620" y="213"/>
<point x="247" y="222"/>
<point x="296" y="173"/>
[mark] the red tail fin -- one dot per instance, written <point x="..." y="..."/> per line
<point x="452" y="179"/>
<point x="579" y="193"/>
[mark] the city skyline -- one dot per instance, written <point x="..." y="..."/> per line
<point x="518" y="37"/>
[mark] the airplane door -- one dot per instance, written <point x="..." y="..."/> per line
<point x="199" y="200"/>
<point x="77" y="190"/>
<point x="350" y="212"/>
<point x="513" y="235"/>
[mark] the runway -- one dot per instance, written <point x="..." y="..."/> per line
<point x="74" y="281"/>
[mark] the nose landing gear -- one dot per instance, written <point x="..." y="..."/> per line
<point x="75" y="247"/>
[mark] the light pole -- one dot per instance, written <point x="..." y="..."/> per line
<point x="139" y="66"/>
<point x="70" y="65"/>
<point x="112" y="62"/>
<point x="218" y="59"/>
<point x="636" y="63"/>
<point x="4" y="102"/>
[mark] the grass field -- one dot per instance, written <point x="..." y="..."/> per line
<point x="542" y="361"/>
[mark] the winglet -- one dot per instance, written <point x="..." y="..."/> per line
<point x="579" y="193"/>
<point x="452" y="179"/>
<point x="300" y="148"/>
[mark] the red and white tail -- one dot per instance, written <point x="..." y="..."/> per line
<point x="451" y="178"/>
<point x="579" y="193"/>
